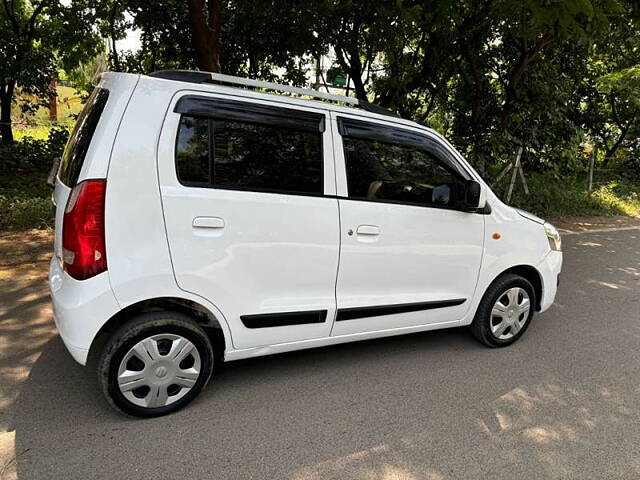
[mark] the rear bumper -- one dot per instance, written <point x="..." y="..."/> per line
<point x="80" y="308"/>
<point x="549" y="269"/>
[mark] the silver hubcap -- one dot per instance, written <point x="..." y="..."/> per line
<point x="159" y="370"/>
<point x="510" y="313"/>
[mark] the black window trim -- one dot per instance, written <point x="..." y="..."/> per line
<point x="384" y="133"/>
<point x="250" y="112"/>
<point x="396" y="135"/>
<point x="100" y="96"/>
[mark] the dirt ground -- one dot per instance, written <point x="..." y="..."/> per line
<point x="25" y="324"/>
<point x="583" y="224"/>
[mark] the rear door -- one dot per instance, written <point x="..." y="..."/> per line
<point x="248" y="191"/>
<point x="410" y="254"/>
<point x="87" y="153"/>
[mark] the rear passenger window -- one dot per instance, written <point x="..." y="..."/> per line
<point x="80" y="138"/>
<point x="267" y="155"/>
<point x="258" y="157"/>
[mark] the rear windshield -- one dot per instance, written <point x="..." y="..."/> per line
<point x="80" y="138"/>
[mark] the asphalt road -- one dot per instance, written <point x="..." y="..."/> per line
<point x="563" y="402"/>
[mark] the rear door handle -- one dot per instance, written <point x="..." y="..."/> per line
<point x="368" y="230"/>
<point x="208" y="222"/>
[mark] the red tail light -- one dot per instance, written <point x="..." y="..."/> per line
<point x="83" y="247"/>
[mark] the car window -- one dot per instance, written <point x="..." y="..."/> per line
<point x="260" y="157"/>
<point x="192" y="151"/>
<point x="379" y="170"/>
<point x="80" y="139"/>
<point x="234" y="154"/>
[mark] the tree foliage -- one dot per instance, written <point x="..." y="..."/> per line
<point x="550" y="75"/>
<point x="37" y="39"/>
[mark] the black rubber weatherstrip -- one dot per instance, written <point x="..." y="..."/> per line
<point x="264" y="320"/>
<point x="235" y="110"/>
<point x="381" y="310"/>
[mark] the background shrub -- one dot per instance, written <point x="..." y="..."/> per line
<point x="25" y="198"/>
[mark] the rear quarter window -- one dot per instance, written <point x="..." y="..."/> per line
<point x="80" y="139"/>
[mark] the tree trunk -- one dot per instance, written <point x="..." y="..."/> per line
<point x="205" y="33"/>
<point x="610" y="151"/>
<point x="6" y="95"/>
<point x="358" y="86"/>
<point x="526" y="57"/>
<point x="350" y="62"/>
<point x="53" y="101"/>
<point x="112" y="34"/>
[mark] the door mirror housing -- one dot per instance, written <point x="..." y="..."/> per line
<point x="473" y="195"/>
<point x="53" y="173"/>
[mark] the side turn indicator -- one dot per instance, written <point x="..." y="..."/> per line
<point x="496" y="236"/>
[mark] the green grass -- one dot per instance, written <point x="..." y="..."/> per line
<point x="19" y="211"/>
<point x="554" y="197"/>
<point x="37" y="125"/>
<point x="25" y="202"/>
<point x="39" y="132"/>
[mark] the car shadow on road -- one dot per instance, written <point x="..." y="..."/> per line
<point x="253" y="409"/>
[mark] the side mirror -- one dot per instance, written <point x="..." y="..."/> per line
<point x="473" y="195"/>
<point x="53" y="173"/>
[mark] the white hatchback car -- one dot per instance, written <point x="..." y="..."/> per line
<point x="201" y="219"/>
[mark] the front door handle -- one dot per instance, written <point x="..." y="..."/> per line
<point x="208" y="222"/>
<point x="368" y="230"/>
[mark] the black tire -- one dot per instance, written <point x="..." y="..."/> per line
<point x="481" y="325"/>
<point x="137" y="329"/>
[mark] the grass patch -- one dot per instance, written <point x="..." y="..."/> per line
<point x="25" y="212"/>
<point x="553" y="197"/>
<point x="37" y="124"/>
<point x="37" y="132"/>
<point x="25" y="202"/>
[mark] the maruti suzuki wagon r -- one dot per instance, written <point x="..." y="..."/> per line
<point x="203" y="218"/>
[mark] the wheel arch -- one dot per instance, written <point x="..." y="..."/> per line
<point x="532" y="275"/>
<point x="202" y="315"/>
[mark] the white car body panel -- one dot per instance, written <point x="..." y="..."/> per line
<point x="275" y="252"/>
<point x="75" y="304"/>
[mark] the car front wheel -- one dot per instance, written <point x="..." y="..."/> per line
<point x="505" y="311"/>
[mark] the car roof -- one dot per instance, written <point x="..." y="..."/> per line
<point x="294" y="96"/>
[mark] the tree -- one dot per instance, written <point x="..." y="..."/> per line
<point x="271" y="40"/>
<point x="609" y="109"/>
<point x="622" y="91"/>
<point x="206" y="23"/>
<point x="510" y="88"/>
<point x="37" y="38"/>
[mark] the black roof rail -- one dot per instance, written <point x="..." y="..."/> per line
<point x="194" y="76"/>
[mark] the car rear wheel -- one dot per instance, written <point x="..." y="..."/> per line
<point x="155" y="364"/>
<point x="505" y="311"/>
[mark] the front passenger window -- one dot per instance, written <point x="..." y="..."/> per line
<point x="377" y="170"/>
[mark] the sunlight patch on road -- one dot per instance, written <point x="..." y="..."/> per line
<point x="8" y="456"/>
<point x="374" y="463"/>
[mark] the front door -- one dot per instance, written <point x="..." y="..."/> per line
<point x="251" y="226"/>
<point x="410" y="255"/>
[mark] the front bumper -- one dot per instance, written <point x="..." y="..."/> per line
<point x="80" y="308"/>
<point x="549" y="269"/>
